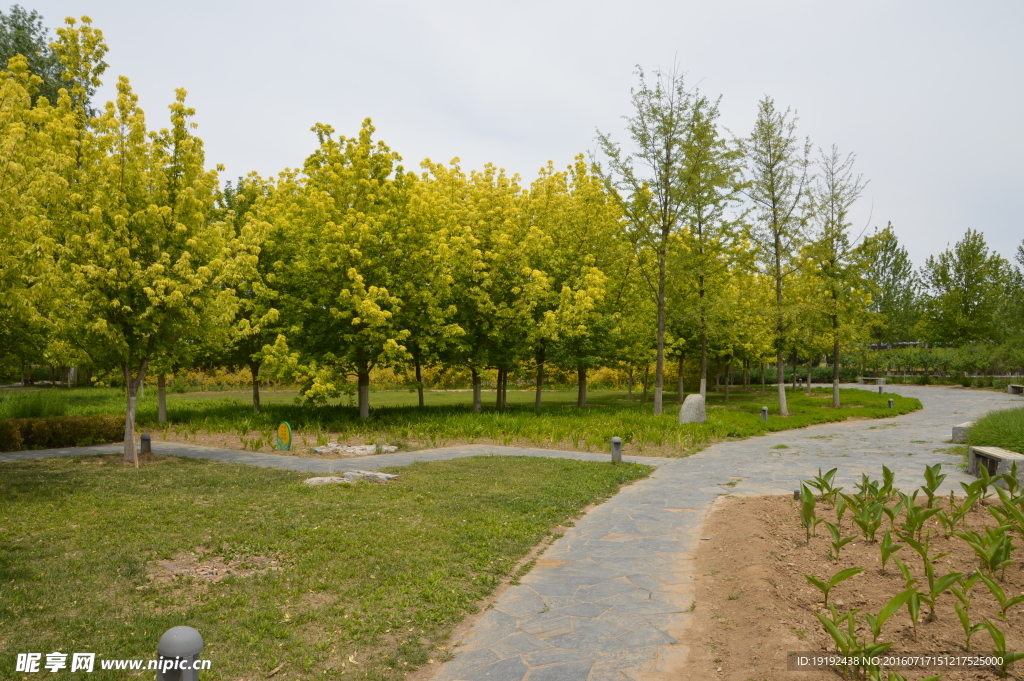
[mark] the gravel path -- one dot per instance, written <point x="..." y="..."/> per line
<point x="611" y="598"/>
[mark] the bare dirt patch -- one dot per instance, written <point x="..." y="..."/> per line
<point x="754" y="604"/>
<point x="212" y="569"/>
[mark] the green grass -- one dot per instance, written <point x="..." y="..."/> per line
<point x="1003" y="429"/>
<point x="448" y="417"/>
<point x="379" y="572"/>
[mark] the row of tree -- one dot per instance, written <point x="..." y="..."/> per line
<point x="121" y="248"/>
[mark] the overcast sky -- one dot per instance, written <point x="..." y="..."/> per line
<point x="929" y="95"/>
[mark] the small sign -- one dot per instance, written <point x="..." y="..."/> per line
<point x="284" y="436"/>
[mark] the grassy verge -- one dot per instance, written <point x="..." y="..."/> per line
<point x="558" y="424"/>
<point x="374" y="573"/>
<point x="1000" y="429"/>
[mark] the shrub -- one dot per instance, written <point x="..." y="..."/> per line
<point x="59" y="431"/>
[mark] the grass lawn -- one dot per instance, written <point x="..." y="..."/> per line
<point x="1003" y="429"/>
<point x="447" y="418"/>
<point x="375" y="573"/>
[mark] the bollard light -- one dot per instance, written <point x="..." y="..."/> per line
<point x="890" y="403"/>
<point x="764" y="413"/>
<point x="178" y="653"/>
<point x="147" y="444"/>
<point x="616" y="449"/>
<point x="879" y="390"/>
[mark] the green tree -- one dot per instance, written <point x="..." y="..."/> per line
<point x="777" y="187"/>
<point x="895" y="287"/>
<point x="22" y="32"/>
<point x="964" y="289"/>
<point x="654" y="200"/>
<point x="831" y="256"/>
<point x="141" y="268"/>
<point x="344" y="216"/>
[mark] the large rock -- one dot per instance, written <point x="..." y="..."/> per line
<point x="692" y="410"/>
<point x="352" y="476"/>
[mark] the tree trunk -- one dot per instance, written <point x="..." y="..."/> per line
<point x="254" y="367"/>
<point x="835" y="362"/>
<point x="22" y="373"/>
<point x="419" y="378"/>
<point x="629" y="384"/>
<point x="679" y="388"/>
<point x="540" y="377"/>
<point x="647" y="375"/>
<point x="504" y="389"/>
<point x="477" y="400"/>
<point x="581" y="388"/>
<point x="704" y="365"/>
<point x="131" y="391"/>
<point x="363" y="383"/>
<point x="746" y="375"/>
<point x="795" y="358"/>
<point x="497" y="389"/>
<point x="659" y="370"/>
<point x="780" y="363"/>
<point x="764" y="380"/>
<point x="728" y="377"/>
<point x="161" y="398"/>
<point x="810" y="364"/>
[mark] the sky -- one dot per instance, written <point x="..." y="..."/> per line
<point x="928" y="95"/>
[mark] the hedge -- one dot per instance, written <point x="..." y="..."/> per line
<point x="59" y="431"/>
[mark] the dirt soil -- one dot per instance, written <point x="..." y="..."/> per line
<point x="753" y="604"/>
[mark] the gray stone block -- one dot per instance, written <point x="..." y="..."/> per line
<point x="962" y="431"/>
<point x="574" y="671"/>
<point x="692" y="410"/>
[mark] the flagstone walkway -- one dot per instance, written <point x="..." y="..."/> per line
<point x="610" y="600"/>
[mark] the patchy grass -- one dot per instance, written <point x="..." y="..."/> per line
<point x="96" y="556"/>
<point x="448" y="418"/>
<point x="999" y="429"/>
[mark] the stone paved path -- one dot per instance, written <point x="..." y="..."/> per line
<point x="610" y="600"/>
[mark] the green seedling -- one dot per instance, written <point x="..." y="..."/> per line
<point x="914" y="610"/>
<point x="888" y="548"/>
<point x="1008" y="513"/>
<point x="915" y="518"/>
<point x="890" y="609"/>
<point x="885" y="491"/>
<point x="841" y="576"/>
<point x="848" y="643"/>
<point x="957" y="512"/>
<point x="869" y="518"/>
<point x="841" y="508"/>
<point x="932" y="481"/>
<point x="1000" y="595"/>
<point x="999" y="641"/>
<point x="807" y="516"/>
<point x="823" y="483"/>
<point x="838" y="542"/>
<point x="969" y="629"/>
<point x="892" y="512"/>
<point x="936" y="586"/>
<point x="980" y="485"/>
<point x="994" y="549"/>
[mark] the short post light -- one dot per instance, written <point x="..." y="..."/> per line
<point x="764" y="414"/>
<point x="178" y="653"/>
<point x="616" y="449"/>
<point x="890" y="403"/>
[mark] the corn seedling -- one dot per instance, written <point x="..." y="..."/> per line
<point x="1006" y="657"/>
<point x="933" y="478"/>
<point x="885" y="491"/>
<point x="823" y="483"/>
<point x="807" y="516"/>
<point x="936" y="586"/>
<point x="915" y="517"/>
<point x="892" y="512"/>
<point x="888" y="548"/>
<point x="838" y="541"/>
<point x="994" y="549"/>
<point x="1000" y="595"/>
<point x="890" y="609"/>
<point x="869" y="518"/>
<point x="848" y="643"/>
<point x="841" y="576"/>
<point x="981" y="485"/>
<point x="965" y="621"/>
<point x="1008" y="514"/>
<point x="840" y="511"/>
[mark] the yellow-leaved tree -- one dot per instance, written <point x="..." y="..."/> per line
<point x="142" y="270"/>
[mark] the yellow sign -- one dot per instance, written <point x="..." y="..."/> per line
<point x="284" y="436"/>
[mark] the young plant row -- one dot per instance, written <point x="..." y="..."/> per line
<point x="878" y="504"/>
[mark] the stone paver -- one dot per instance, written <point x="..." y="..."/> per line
<point x="610" y="600"/>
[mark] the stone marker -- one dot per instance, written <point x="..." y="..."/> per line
<point x="692" y="410"/>
<point x="352" y="476"/>
<point x="961" y="431"/>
